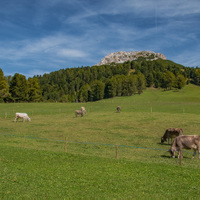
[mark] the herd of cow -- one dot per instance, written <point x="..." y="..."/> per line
<point x="180" y="141"/>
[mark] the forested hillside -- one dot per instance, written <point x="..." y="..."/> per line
<point x="84" y="84"/>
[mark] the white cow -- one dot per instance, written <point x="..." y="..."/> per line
<point x="24" y="116"/>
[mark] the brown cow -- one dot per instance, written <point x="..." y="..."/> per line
<point x="171" y="133"/>
<point x="79" y="112"/>
<point x="185" y="142"/>
<point x="118" y="109"/>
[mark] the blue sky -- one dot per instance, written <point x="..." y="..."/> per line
<point x="42" y="36"/>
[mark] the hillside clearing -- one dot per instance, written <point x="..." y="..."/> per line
<point x="34" y="163"/>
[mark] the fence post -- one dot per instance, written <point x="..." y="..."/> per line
<point x="24" y="142"/>
<point x="116" y="150"/>
<point x="180" y="157"/>
<point x="65" y="144"/>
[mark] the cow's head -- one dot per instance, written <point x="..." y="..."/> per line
<point x="163" y="140"/>
<point x="28" y="119"/>
<point x="172" y="152"/>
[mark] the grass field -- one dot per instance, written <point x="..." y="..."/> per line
<point x="34" y="164"/>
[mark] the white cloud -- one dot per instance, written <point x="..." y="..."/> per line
<point x="71" y="53"/>
<point x="92" y="29"/>
<point x="49" y="45"/>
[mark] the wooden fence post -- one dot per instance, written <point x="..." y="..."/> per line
<point x="24" y="142"/>
<point x="65" y="144"/>
<point x="180" y="157"/>
<point x="116" y="150"/>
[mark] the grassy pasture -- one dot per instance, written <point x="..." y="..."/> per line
<point x="32" y="174"/>
<point x="143" y="168"/>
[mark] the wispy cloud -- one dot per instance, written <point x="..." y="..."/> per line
<point x="44" y="36"/>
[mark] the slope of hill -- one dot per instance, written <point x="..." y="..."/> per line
<point x="83" y="84"/>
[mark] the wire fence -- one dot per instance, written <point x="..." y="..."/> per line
<point x="85" y="148"/>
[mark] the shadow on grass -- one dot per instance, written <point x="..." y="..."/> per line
<point x="164" y="156"/>
<point x="184" y="157"/>
<point x="165" y="144"/>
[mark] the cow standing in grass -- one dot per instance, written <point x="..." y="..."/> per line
<point x="185" y="142"/>
<point x="171" y="133"/>
<point x="83" y="110"/>
<point x="78" y="112"/>
<point x="118" y="109"/>
<point x="23" y="116"/>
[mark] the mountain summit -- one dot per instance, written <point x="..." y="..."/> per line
<point x="122" y="56"/>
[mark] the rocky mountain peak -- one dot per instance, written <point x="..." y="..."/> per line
<point x="122" y="56"/>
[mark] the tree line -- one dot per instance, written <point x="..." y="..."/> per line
<point x="83" y="84"/>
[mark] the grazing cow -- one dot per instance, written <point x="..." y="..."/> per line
<point x="185" y="142"/>
<point x="118" y="109"/>
<point x="79" y="112"/>
<point x="171" y="133"/>
<point x="83" y="110"/>
<point x="24" y="116"/>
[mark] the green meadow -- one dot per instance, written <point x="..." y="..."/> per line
<point x="103" y="155"/>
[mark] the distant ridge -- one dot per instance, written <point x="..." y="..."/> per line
<point x="122" y="56"/>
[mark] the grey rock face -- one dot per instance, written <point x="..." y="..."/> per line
<point x="122" y="56"/>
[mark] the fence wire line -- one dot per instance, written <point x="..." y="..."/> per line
<point x="90" y="143"/>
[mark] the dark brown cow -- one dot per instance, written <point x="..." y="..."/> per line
<point x="185" y="142"/>
<point x="171" y="133"/>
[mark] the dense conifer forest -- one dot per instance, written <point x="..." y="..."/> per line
<point x="83" y="84"/>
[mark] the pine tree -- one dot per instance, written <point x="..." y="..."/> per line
<point x="97" y="90"/>
<point x="84" y="93"/>
<point x="19" y="88"/>
<point x="111" y="88"/>
<point x="34" y="90"/>
<point x="141" y="83"/>
<point x="4" y="88"/>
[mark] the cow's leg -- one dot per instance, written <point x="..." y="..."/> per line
<point x="180" y="154"/>
<point x="194" y="154"/>
<point x="16" y="119"/>
<point x="199" y="152"/>
<point x="174" y="154"/>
